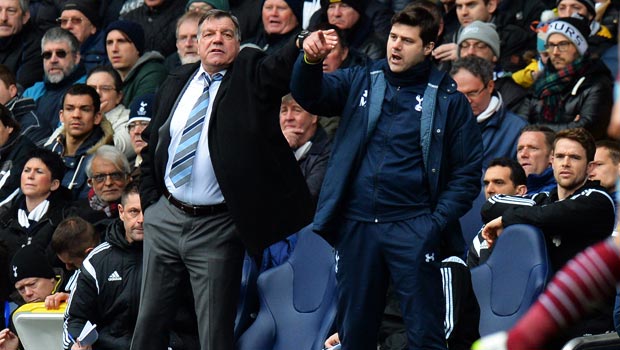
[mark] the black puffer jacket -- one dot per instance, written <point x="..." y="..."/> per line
<point x="586" y="103"/>
<point x="107" y="292"/>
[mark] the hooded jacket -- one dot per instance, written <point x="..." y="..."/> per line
<point x="144" y="77"/>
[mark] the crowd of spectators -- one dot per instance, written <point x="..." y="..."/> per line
<point x="80" y="81"/>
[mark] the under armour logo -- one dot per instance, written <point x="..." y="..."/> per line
<point x="337" y="257"/>
<point x="430" y="257"/>
<point x="418" y="107"/>
<point x="14" y="271"/>
<point x="363" y="98"/>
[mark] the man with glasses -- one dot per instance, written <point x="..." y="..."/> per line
<point x="108" y="174"/>
<point x="82" y="19"/>
<point x="482" y="40"/>
<point x="140" y="113"/>
<point x="61" y="63"/>
<point x="499" y="127"/>
<point x="20" y="50"/>
<point x="576" y="89"/>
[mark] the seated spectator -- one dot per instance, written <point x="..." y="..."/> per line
<point x="281" y="22"/>
<point x="158" y="19"/>
<point x="575" y="206"/>
<point x="503" y="176"/>
<point x="23" y="109"/>
<point x="108" y="174"/>
<point x="534" y="153"/>
<point x="14" y="150"/>
<point x="83" y="132"/>
<point x="350" y="17"/>
<point x="575" y="89"/>
<point x="499" y="126"/>
<point x="141" y="71"/>
<point x="33" y="218"/>
<point x="82" y="19"/>
<point x="19" y="43"/>
<point x="61" y="61"/>
<point x="341" y="56"/>
<point x="72" y="240"/>
<point x="34" y="279"/>
<point x="480" y="39"/>
<point x="606" y="165"/>
<point x="140" y="116"/>
<point x="308" y="140"/>
<point x="108" y="84"/>
<point x="187" y="41"/>
<point x="600" y="38"/>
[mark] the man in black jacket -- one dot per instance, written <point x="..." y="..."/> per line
<point x="244" y="185"/>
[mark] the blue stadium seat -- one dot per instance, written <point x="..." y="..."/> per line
<point x="248" y="296"/>
<point x="472" y="221"/>
<point x="512" y="278"/>
<point x="297" y="299"/>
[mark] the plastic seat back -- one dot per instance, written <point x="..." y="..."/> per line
<point x="39" y="328"/>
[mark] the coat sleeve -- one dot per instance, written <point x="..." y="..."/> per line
<point x="564" y="215"/>
<point x="82" y="306"/>
<point x="462" y="168"/>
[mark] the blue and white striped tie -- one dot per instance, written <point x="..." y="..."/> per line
<point x="183" y="160"/>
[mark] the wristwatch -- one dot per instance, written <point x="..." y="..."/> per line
<point x="301" y="37"/>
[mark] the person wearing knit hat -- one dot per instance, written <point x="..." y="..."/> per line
<point x="574" y="29"/>
<point x="32" y="274"/>
<point x="140" y="113"/>
<point x="141" y="71"/>
<point x="600" y="38"/>
<point x="583" y="7"/>
<point x="81" y="18"/>
<point x="479" y="36"/>
<point x="205" y="5"/>
<point x="344" y="14"/>
<point x="358" y="5"/>
<point x="575" y="89"/>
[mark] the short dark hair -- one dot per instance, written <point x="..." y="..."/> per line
<point x="73" y="236"/>
<point x="7" y="77"/>
<point x="613" y="147"/>
<point x="132" y="187"/>
<point x="478" y="67"/>
<point x="83" y="89"/>
<point x="118" y="82"/>
<point x="8" y="120"/>
<point x="517" y="174"/>
<point x="432" y="7"/>
<point x="547" y="131"/>
<point x="581" y="136"/>
<point x="51" y="160"/>
<point x="217" y="14"/>
<point x="416" y="16"/>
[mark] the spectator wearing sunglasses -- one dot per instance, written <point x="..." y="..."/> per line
<point x="82" y="19"/>
<point x="62" y="67"/>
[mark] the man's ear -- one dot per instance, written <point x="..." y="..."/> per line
<point x="521" y="190"/>
<point x="492" y="6"/>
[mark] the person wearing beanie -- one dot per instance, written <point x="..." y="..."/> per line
<point x="141" y="111"/>
<point x="81" y="18"/>
<point x="202" y="6"/>
<point x="281" y="22"/>
<point x="600" y="38"/>
<point x="158" y="19"/>
<point x="575" y="89"/>
<point x="481" y="39"/>
<point x="381" y="213"/>
<point x="32" y="274"/>
<point x="141" y="71"/>
<point x="350" y="17"/>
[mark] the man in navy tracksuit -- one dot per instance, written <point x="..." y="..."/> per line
<point x="406" y="164"/>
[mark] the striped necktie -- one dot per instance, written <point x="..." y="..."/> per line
<point x="183" y="160"/>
